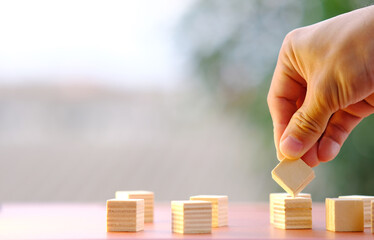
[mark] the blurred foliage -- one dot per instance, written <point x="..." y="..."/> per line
<point x="233" y="48"/>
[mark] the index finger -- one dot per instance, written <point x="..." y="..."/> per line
<point x="286" y="91"/>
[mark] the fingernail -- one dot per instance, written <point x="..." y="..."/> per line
<point x="291" y="147"/>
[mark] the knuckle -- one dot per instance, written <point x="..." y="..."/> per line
<point x="290" y="37"/>
<point x="370" y="100"/>
<point x="306" y="123"/>
<point x="337" y="132"/>
<point x="290" y="43"/>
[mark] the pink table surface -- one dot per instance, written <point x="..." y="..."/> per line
<point x="88" y="221"/>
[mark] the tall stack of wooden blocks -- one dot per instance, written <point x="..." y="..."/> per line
<point x="273" y="196"/>
<point x="291" y="212"/>
<point x="191" y="217"/>
<point x="220" y="208"/>
<point x="125" y="215"/>
<point x="344" y="215"/>
<point x="148" y="198"/>
<point x="367" y="207"/>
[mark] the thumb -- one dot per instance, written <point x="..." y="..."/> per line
<point x="304" y="129"/>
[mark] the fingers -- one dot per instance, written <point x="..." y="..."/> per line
<point x="337" y="131"/>
<point x="285" y="93"/>
<point x="363" y="108"/>
<point x="340" y="126"/>
<point x="281" y="111"/>
<point x="281" y="106"/>
<point x="311" y="156"/>
<point x="305" y="128"/>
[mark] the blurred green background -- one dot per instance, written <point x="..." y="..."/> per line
<point x="165" y="95"/>
<point x="233" y="47"/>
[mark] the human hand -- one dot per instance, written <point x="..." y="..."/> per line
<point x="323" y="86"/>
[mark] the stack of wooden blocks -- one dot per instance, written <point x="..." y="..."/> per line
<point x="274" y="196"/>
<point x="125" y="215"/>
<point x="191" y="216"/>
<point x="199" y="214"/>
<point x="220" y="208"/>
<point x="291" y="212"/>
<point x="344" y="215"/>
<point x="367" y="206"/>
<point x="148" y="198"/>
<point x="131" y="209"/>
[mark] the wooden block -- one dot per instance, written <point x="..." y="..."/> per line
<point x="293" y="175"/>
<point x="273" y="196"/>
<point x="125" y="215"/>
<point x="344" y="215"/>
<point x="191" y="217"/>
<point x="367" y="207"/>
<point x="148" y="198"/>
<point x="219" y="208"/>
<point x="291" y="213"/>
<point x="372" y="216"/>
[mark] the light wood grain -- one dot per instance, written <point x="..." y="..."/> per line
<point x="367" y="206"/>
<point x="219" y="208"/>
<point x="125" y="215"/>
<point x="293" y="175"/>
<point x="148" y="197"/>
<point x="344" y="215"/>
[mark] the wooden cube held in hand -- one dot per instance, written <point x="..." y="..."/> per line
<point x="293" y="175"/>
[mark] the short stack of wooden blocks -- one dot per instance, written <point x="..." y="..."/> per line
<point x="125" y="215"/>
<point x="291" y="212"/>
<point x="148" y="198"/>
<point x="191" y="217"/>
<point x="344" y="215"/>
<point x="219" y="207"/>
<point x="273" y="196"/>
<point x="367" y="206"/>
